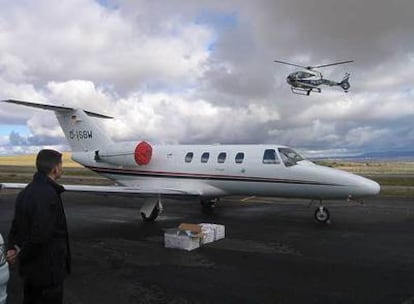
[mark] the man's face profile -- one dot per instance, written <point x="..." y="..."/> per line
<point x="58" y="170"/>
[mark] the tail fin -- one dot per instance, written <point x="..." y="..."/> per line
<point x="345" y="83"/>
<point x="80" y="130"/>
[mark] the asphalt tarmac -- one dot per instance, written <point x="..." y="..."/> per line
<point x="273" y="252"/>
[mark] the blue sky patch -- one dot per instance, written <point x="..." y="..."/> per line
<point x="218" y="20"/>
<point x="7" y="129"/>
<point x="108" y="4"/>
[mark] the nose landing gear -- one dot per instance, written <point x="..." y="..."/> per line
<point x="321" y="214"/>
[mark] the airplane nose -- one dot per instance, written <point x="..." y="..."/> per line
<point x="368" y="187"/>
<point x="355" y="186"/>
<point x="372" y="187"/>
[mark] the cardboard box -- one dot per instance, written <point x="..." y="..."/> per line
<point x="191" y="229"/>
<point x="219" y="230"/>
<point x="175" y="238"/>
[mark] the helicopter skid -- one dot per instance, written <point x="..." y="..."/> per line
<point x="305" y="91"/>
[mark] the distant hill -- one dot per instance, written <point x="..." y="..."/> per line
<point x="380" y="156"/>
<point x="388" y="155"/>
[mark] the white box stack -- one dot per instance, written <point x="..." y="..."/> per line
<point x="174" y="238"/>
<point x="209" y="234"/>
<point x="219" y="230"/>
<point x="192" y="236"/>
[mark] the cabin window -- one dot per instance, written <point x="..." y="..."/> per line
<point x="239" y="157"/>
<point x="204" y="157"/>
<point x="221" y="158"/>
<point x="189" y="157"/>
<point x="270" y="157"/>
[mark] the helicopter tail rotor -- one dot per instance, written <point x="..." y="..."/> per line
<point x="344" y="84"/>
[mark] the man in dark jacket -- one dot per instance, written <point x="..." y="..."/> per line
<point x="38" y="237"/>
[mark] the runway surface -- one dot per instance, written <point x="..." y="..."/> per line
<point x="273" y="252"/>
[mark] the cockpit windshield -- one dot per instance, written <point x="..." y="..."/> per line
<point x="289" y="156"/>
<point x="304" y="75"/>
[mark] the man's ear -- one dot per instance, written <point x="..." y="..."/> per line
<point x="54" y="170"/>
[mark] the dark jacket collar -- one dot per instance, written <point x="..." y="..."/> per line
<point x="41" y="177"/>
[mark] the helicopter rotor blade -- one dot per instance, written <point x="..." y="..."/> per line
<point x="288" y="63"/>
<point x="329" y="64"/>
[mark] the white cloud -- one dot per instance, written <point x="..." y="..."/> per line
<point x="47" y="41"/>
<point x="203" y="73"/>
<point x="362" y="135"/>
<point x="4" y="140"/>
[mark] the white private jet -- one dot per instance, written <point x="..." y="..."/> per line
<point x="204" y="171"/>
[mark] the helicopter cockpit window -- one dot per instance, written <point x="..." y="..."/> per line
<point x="304" y="75"/>
<point x="289" y="156"/>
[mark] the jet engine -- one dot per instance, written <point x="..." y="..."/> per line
<point x="127" y="154"/>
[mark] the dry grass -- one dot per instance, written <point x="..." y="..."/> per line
<point x="29" y="160"/>
<point x="373" y="167"/>
<point x="396" y="178"/>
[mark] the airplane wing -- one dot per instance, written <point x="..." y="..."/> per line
<point x="204" y="190"/>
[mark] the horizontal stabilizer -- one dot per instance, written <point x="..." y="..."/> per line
<point x="53" y="108"/>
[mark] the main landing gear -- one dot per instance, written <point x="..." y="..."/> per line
<point x="151" y="209"/>
<point x="321" y="214"/>
<point x="305" y="91"/>
<point x="209" y="204"/>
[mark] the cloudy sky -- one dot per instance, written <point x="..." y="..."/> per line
<point x="203" y="72"/>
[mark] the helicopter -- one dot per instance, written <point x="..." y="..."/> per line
<point x="305" y="82"/>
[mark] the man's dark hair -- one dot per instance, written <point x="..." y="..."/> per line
<point x="47" y="159"/>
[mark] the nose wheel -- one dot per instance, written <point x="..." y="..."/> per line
<point x="322" y="215"/>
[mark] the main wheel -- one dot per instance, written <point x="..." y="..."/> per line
<point x="322" y="215"/>
<point x="209" y="203"/>
<point x="154" y="214"/>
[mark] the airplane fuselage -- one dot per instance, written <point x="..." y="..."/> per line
<point x="221" y="170"/>
<point x="205" y="171"/>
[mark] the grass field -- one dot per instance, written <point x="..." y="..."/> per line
<point x="373" y="167"/>
<point x="395" y="178"/>
<point x="29" y="160"/>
